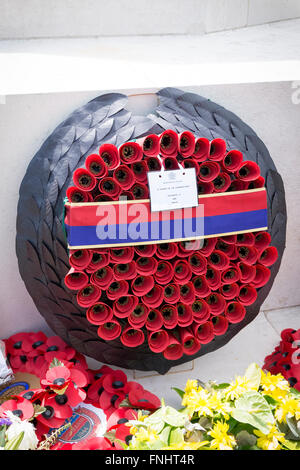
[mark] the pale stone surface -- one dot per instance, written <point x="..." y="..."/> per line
<point x="258" y="54"/>
<point x="272" y="10"/>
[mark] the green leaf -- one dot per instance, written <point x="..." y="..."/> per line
<point x="252" y="408"/>
<point x="220" y="386"/>
<point x="56" y="363"/>
<point x="292" y="424"/>
<point x="176" y="436"/>
<point x="14" y="443"/>
<point x="2" y="435"/>
<point x="164" y="435"/>
<point x="291" y="445"/>
<point x="253" y="375"/>
<point x="179" y="391"/>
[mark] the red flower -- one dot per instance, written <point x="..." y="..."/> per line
<point x="142" y="399"/>
<point x="19" y="406"/>
<point x="94" y="443"/>
<point x="115" y="382"/>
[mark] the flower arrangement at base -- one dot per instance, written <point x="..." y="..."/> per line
<point x="36" y="418"/>
<point x="258" y="411"/>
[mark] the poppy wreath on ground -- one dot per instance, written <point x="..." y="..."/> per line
<point x="43" y="256"/>
<point x="67" y="381"/>
<point x="285" y="359"/>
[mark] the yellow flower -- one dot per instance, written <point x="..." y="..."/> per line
<point x="239" y="386"/>
<point x="218" y="405"/>
<point x="221" y="439"/>
<point x="191" y="385"/>
<point x="270" y="441"/>
<point x="198" y="401"/>
<point x="145" y="435"/>
<point x="288" y="407"/>
<point x="186" y="446"/>
<point x="274" y="385"/>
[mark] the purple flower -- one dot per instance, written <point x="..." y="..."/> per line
<point x="5" y="422"/>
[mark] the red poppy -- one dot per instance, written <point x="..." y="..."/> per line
<point x="232" y="160"/>
<point x="248" y="171"/>
<point x="103" y="277"/>
<point x="170" y="316"/>
<point x="125" y="271"/>
<point x="140" y="170"/>
<point x="94" y="443"/>
<point x="185" y="314"/>
<point x="219" y="260"/>
<point x="115" y="381"/>
<point x="201" y="286"/>
<point x="262" y="240"/>
<point x="158" y="340"/>
<point x="262" y="276"/>
<point x="84" y="180"/>
<point x="109" y="186"/>
<point x="110" y="330"/>
<point x="88" y="296"/>
<point x="138" y="316"/>
<point x="217" y="150"/>
<point x="198" y="263"/>
<point x="205" y="187"/>
<point x="76" y="280"/>
<point x="144" y="400"/>
<point x="164" y="273"/>
<point x="204" y="332"/>
<point x="124" y="306"/>
<point x="153" y="163"/>
<point x="247" y="294"/>
<point x="154" y="321"/>
<point x="222" y="182"/>
<point x="55" y="347"/>
<point x="19" y="406"/>
<point x="80" y="259"/>
<point x="110" y="401"/>
<point x="208" y="171"/>
<point x="146" y="266"/>
<point x="99" y="313"/>
<point x="200" y="311"/>
<point x="140" y="191"/>
<point x="141" y="285"/>
<point x="268" y="256"/>
<point x="216" y="303"/>
<point x="171" y="293"/>
<point x="248" y="272"/>
<point x="182" y="272"/>
<point x="235" y="312"/>
<point x="122" y="255"/>
<point x="186" y="144"/>
<point x="130" y="152"/>
<point x="117" y="289"/>
<point x="124" y="176"/>
<point x="121" y="416"/>
<point x="174" y="350"/>
<point x="190" y="344"/>
<point x="201" y="151"/>
<point x="231" y="274"/>
<point x="99" y="260"/>
<point x="187" y="293"/>
<point x="168" y="142"/>
<point x="208" y="246"/>
<point x="110" y="155"/>
<point x="230" y="291"/>
<point x="167" y="250"/>
<point x="170" y="163"/>
<point x="191" y="163"/>
<point x="132" y="337"/>
<point x="150" y="145"/>
<point x="75" y="194"/>
<point x="145" y="250"/>
<point x="220" y="325"/>
<point x="96" y="166"/>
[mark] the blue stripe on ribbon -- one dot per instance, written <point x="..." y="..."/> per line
<point x="213" y="225"/>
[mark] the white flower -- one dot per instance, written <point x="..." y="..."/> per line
<point x="29" y="441"/>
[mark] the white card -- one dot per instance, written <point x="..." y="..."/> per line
<point x="173" y="189"/>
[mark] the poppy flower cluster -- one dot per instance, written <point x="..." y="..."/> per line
<point x="172" y="296"/>
<point x="66" y="381"/>
<point x="285" y="359"/>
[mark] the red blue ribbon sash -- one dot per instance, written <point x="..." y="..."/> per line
<point x="125" y="223"/>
